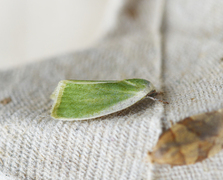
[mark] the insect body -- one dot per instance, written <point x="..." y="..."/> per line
<point x="80" y="100"/>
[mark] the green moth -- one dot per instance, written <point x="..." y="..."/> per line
<point x="81" y="100"/>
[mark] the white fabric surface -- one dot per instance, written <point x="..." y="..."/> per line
<point x="176" y="44"/>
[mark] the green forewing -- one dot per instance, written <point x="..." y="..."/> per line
<point x="88" y="99"/>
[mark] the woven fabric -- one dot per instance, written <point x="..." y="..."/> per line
<point x="192" y="74"/>
<point x="177" y="45"/>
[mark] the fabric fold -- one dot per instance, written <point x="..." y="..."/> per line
<point x="34" y="146"/>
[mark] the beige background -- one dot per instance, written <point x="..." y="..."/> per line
<point x="36" y="30"/>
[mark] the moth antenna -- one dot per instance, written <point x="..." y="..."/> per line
<point x="155" y="99"/>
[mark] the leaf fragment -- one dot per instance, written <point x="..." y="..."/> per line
<point x="191" y="140"/>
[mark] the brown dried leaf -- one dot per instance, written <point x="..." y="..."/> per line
<point x="6" y="101"/>
<point x="191" y="140"/>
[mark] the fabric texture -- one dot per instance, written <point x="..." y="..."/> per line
<point x="177" y="45"/>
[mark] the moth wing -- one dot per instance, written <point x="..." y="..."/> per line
<point x="80" y="100"/>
